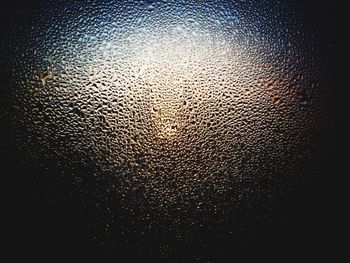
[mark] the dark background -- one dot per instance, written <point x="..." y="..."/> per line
<point x="46" y="218"/>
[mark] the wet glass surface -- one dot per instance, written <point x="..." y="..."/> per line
<point x="177" y="125"/>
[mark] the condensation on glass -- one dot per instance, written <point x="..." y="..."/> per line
<point x="188" y="107"/>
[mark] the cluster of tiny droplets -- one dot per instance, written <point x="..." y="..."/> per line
<point x="188" y="109"/>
